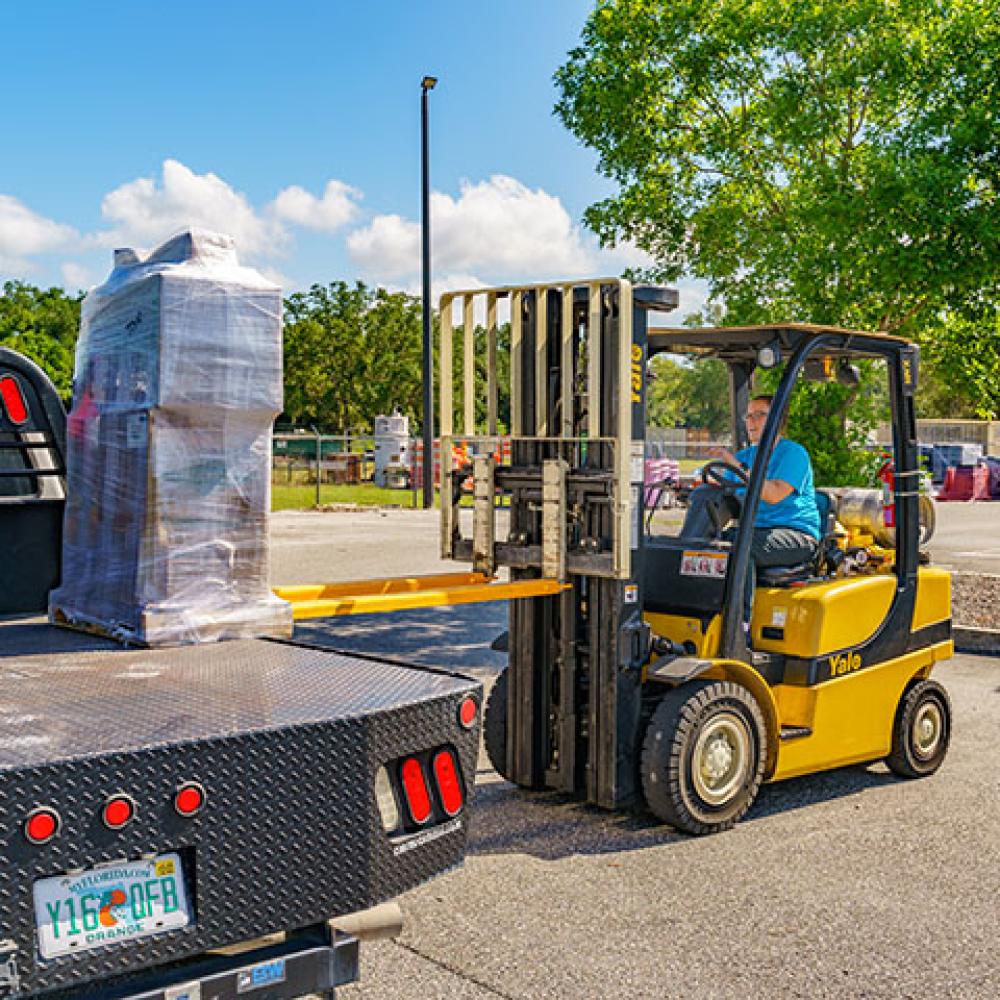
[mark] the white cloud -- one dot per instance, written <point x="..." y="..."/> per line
<point x="24" y="234"/>
<point x="389" y="248"/>
<point x="75" y="276"/>
<point x="327" y="214"/>
<point x="499" y="229"/>
<point x="146" y="213"/>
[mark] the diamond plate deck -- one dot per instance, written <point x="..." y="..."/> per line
<point x="286" y="740"/>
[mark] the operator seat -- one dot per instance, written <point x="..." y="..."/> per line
<point x="786" y="576"/>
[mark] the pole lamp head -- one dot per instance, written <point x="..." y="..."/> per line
<point x="428" y="82"/>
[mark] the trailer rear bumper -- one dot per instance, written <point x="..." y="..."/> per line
<point x="331" y="784"/>
<point x="314" y="961"/>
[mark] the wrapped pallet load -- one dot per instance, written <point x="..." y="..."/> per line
<point x="178" y="380"/>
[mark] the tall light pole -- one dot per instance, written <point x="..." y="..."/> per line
<point x="426" y="85"/>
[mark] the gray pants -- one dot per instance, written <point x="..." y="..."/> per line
<point x="775" y="547"/>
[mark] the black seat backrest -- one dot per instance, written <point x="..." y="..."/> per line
<point x="32" y="484"/>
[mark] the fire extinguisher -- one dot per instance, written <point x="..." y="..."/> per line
<point x="887" y="477"/>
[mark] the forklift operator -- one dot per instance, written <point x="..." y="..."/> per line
<point x="787" y="529"/>
<point x="787" y="526"/>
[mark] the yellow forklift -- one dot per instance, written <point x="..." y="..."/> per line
<point x="636" y="680"/>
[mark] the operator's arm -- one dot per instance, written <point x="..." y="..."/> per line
<point x="788" y="470"/>
<point x="775" y="490"/>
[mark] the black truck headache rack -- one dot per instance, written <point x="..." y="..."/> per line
<point x="32" y="484"/>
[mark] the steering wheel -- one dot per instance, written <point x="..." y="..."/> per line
<point x="713" y="473"/>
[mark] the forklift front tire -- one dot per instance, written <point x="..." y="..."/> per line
<point x="704" y="755"/>
<point x="921" y="732"/>
<point x="495" y="725"/>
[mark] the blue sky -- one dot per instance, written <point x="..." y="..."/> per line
<point x="295" y="127"/>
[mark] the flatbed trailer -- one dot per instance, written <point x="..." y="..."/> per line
<point x="160" y="808"/>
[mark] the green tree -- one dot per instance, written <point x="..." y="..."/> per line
<point x="43" y="325"/>
<point x="350" y="354"/>
<point x="836" y="163"/>
<point x="692" y="395"/>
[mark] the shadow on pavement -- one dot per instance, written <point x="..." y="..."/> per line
<point x="551" y="826"/>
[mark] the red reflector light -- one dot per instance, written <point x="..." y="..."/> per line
<point x="467" y="712"/>
<point x="118" y="810"/>
<point x="13" y="400"/>
<point x="41" y="825"/>
<point x="449" y="787"/>
<point x="189" y="799"/>
<point x="415" y="787"/>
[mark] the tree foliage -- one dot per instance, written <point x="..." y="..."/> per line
<point x="351" y="353"/>
<point x="694" y="395"/>
<point x="43" y="325"/>
<point x="835" y="163"/>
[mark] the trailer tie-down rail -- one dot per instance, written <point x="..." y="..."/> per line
<point x="403" y="593"/>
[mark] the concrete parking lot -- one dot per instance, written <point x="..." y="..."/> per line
<point x="847" y="884"/>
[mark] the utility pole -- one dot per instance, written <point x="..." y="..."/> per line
<point x="426" y="85"/>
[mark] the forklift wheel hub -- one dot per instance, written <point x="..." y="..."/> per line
<point x="721" y="758"/>
<point x="927" y="729"/>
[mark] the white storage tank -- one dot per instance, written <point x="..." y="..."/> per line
<point x="393" y="451"/>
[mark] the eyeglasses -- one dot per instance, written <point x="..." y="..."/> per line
<point x="757" y="415"/>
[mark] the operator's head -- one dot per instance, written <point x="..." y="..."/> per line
<point x="757" y="411"/>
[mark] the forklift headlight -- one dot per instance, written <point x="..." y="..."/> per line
<point x="769" y="356"/>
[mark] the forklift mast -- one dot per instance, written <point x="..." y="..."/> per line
<point x="574" y="478"/>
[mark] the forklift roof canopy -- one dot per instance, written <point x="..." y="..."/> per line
<point x="741" y="343"/>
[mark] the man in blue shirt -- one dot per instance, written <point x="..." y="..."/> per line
<point x="787" y="527"/>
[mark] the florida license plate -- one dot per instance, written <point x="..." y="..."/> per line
<point x="110" y="904"/>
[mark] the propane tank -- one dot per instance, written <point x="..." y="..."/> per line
<point x="865" y="511"/>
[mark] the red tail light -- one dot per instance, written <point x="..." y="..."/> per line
<point x="449" y="787"/>
<point x="118" y="811"/>
<point x="190" y="799"/>
<point x="415" y="788"/>
<point x="13" y="400"/>
<point x="467" y="713"/>
<point x="41" y="825"/>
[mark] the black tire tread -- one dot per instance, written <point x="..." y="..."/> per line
<point x="676" y="719"/>
<point x="495" y="725"/>
<point x="901" y="760"/>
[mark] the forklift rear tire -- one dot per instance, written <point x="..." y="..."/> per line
<point x="495" y="725"/>
<point x="704" y="755"/>
<point x="922" y="731"/>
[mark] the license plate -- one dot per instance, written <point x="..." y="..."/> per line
<point x="110" y="904"/>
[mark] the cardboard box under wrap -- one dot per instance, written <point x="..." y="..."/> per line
<point x="177" y="384"/>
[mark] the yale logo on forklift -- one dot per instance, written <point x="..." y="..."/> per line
<point x="636" y="373"/>
<point x="844" y="663"/>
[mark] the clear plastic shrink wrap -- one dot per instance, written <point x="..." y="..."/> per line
<point x="178" y="381"/>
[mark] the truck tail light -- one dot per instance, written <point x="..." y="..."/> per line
<point x="418" y="798"/>
<point x="467" y="713"/>
<point x="13" y="400"/>
<point x="448" y="785"/>
<point x="189" y="799"/>
<point x="41" y="825"/>
<point x="118" y="811"/>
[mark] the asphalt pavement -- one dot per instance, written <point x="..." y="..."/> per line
<point x="852" y="883"/>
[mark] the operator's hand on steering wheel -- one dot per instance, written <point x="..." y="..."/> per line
<point x="723" y="455"/>
<point x="714" y="473"/>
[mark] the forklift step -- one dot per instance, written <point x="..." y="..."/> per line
<point x="795" y="732"/>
